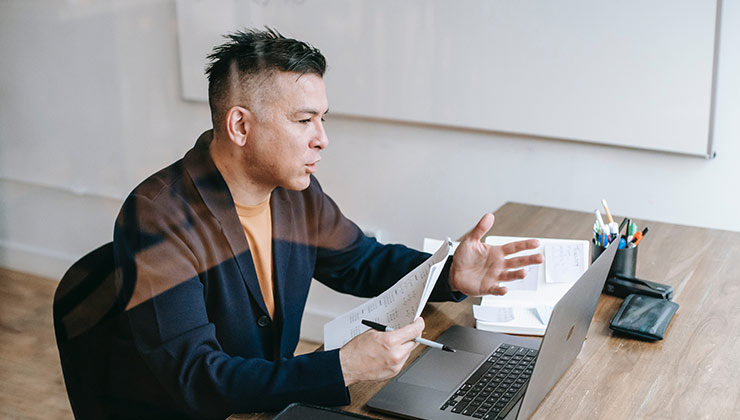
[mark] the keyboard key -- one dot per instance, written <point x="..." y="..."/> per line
<point x="491" y="414"/>
<point x="512" y="402"/>
<point x="459" y="407"/>
<point x="468" y="411"/>
<point x="478" y="373"/>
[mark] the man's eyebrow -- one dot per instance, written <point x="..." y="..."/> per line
<point x="311" y="111"/>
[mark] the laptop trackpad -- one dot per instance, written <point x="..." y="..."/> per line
<point x="441" y="370"/>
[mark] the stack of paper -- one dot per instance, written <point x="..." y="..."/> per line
<point x="526" y="308"/>
<point x="396" y="307"/>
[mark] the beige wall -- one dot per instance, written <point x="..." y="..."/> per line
<point x="405" y="181"/>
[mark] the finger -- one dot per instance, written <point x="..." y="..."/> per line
<point x="409" y="332"/>
<point x="513" y="275"/>
<point x="408" y="347"/>
<point x="518" y="246"/>
<point x="497" y="290"/>
<point x="484" y="225"/>
<point x="523" y="261"/>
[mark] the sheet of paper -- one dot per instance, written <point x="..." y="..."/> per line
<point x="396" y="307"/>
<point x="527" y="283"/>
<point x="431" y="245"/>
<point x="434" y="273"/>
<point x="493" y="313"/>
<point x="565" y="261"/>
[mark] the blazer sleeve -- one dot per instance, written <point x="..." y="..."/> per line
<point x="350" y="262"/>
<point x="177" y="342"/>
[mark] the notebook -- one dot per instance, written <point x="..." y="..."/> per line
<point x="435" y="385"/>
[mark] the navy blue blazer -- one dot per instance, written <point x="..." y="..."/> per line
<point x="196" y="339"/>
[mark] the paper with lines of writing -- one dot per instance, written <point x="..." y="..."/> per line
<point x="396" y="307"/>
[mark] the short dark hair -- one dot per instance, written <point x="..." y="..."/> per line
<point x="248" y="57"/>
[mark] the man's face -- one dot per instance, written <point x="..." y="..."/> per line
<point x="287" y="132"/>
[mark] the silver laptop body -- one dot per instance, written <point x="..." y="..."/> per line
<point x="423" y="388"/>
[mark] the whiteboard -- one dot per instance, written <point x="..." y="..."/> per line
<point x="626" y="73"/>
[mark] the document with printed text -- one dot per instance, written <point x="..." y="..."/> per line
<point x="396" y="307"/>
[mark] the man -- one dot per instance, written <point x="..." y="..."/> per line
<point x="220" y="249"/>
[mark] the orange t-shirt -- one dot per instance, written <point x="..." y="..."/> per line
<point x="257" y="224"/>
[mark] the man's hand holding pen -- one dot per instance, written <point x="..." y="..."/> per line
<point x="375" y="355"/>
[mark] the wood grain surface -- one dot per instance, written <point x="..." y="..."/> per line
<point x="693" y="373"/>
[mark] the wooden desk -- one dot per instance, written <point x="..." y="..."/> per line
<point x="693" y="373"/>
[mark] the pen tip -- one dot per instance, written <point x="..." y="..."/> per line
<point x="445" y="348"/>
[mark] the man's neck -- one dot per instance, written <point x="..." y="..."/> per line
<point x="243" y="189"/>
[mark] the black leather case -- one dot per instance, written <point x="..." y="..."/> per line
<point x="643" y="317"/>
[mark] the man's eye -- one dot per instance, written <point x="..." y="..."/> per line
<point x="304" y="121"/>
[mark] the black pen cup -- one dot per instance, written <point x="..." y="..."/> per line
<point x="625" y="261"/>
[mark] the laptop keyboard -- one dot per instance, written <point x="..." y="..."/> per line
<point x="496" y="386"/>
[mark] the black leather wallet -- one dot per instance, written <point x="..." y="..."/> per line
<point x="643" y="317"/>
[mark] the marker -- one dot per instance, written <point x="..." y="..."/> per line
<point x="639" y="235"/>
<point x="608" y="213"/>
<point x="631" y="229"/>
<point x="424" y="341"/>
<point x="604" y="228"/>
<point x="622" y="244"/>
<point x="613" y="230"/>
<point x="598" y="217"/>
<point x="597" y="228"/>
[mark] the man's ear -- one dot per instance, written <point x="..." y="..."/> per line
<point x="238" y="123"/>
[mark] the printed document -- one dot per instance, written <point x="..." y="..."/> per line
<point x="396" y="307"/>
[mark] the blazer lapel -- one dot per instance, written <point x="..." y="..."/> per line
<point x="215" y="194"/>
<point x="283" y="228"/>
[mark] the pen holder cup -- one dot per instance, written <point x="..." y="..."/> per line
<point x="625" y="262"/>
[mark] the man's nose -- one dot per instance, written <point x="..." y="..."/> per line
<point x="321" y="140"/>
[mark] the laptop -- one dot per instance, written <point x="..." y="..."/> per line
<point x="495" y="375"/>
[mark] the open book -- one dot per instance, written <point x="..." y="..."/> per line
<point x="396" y="307"/>
<point x="526" y="308"/>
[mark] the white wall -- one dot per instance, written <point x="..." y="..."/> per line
<point x="406" y="181"/>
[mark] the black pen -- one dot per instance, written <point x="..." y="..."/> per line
<point x="424" y="341"/>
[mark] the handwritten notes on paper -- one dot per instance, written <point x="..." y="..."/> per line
<point x="396" y="307"/>
<point x="532" y="302"/>
<point x="565" y="261"/>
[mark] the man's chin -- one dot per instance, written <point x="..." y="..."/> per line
<point x="299" y="184"/>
